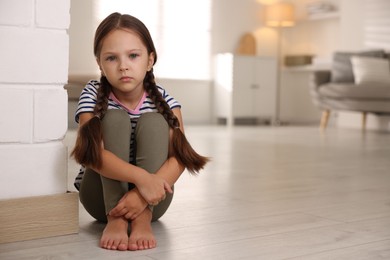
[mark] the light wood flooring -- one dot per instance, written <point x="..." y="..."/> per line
<point x="269" y="193"/>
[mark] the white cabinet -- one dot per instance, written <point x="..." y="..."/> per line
<point x="244" y="87"/>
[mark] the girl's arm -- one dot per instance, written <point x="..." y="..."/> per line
<point x="152" y="187"/>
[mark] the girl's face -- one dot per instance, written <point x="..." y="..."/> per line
<point x="124" y="60"/>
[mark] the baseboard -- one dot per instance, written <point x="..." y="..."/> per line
<point x="38" y="217"/>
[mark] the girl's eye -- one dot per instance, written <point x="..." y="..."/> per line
<point x="110" y="58"/>
<point x="133" y="55"/>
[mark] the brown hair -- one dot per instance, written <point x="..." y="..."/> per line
<point x="87" y="150"/>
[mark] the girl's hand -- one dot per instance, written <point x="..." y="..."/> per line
<point x="130" y="205"/>
<point x="153" y="189"/>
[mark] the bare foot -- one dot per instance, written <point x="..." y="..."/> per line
<point x="141" y="236"/>
<point x="115" y="236"/>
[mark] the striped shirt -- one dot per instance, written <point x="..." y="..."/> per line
<point x="87" y="102"/>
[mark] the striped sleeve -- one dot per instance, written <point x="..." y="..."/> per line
<point x="87" y="100"/>
<point x="172" y="103"/>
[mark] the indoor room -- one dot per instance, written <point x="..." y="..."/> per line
<point x="286" y="104"/>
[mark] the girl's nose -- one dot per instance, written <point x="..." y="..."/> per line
<point x="123" y="66"/>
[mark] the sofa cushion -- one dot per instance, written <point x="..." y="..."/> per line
<point x="342" y="66"/>
<point x="352" y="91"/>
<point x="368" y="70"/>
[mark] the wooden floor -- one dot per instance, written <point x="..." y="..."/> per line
<point x="269" y="193"/>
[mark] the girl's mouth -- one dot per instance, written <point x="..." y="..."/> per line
<point x="125" y="79"/>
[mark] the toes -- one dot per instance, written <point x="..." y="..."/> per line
<point x="141" y="244"/>
<point x="103" y="244"/>
<point x="132" y="246"/>
<point x="153" y="243"/>
<point x="110" y="244"/>
<point x="122" y="247"/>
<point x="113" y="245"/>
<point x="144" y="244"/>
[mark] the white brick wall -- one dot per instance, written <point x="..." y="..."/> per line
<point x="16" y="12"/>
<point x="34" y="51"/>
<point x="46" y="16"/>
<point x="30" y="55"/>
<point x="32" y="169"/>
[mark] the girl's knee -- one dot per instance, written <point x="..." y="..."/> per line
<point x="152" y="141"/>
<point x="152" y="121"/>
<point x="152" y="126"/>
<point x="115" y="117"/>
<point x="116" y="128"/>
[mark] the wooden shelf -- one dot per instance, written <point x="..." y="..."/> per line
<point x="307" y="68"/>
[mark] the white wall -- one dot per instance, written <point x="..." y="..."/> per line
<point x="231" y="20"/>
<point x="352" y="25"/>
<point x="81" y="33"/>
<point x="33" y="70"/>
<point x="196" y="105"/>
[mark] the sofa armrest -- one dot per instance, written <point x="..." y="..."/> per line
<point x="320" y="77"/>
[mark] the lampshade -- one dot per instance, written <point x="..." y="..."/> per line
<point x="280" y="15"/>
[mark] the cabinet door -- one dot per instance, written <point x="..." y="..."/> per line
<point x="243" y="87"/>
<point x="254" y="87"/>
<point x="264" y="100"/>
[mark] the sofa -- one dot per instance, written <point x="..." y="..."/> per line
<point x="357" y="81"/>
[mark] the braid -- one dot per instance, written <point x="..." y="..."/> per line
<point x="87" y="150"/>
<point x="102" y="98"/>
<point x="157" y="98"/>
<point x="182" y="149"/>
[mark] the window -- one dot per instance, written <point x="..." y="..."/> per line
<point x="376" y="24"/>
<point x="180" y="30"/>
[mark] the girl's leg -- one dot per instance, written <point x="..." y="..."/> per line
<point x="116" y="128"/>
<point x="152" y="144"/>
<point x="99" y="194"/>
<point x="91" y="195"/>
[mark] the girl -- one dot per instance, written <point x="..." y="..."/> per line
<point x="129" y="129"/>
